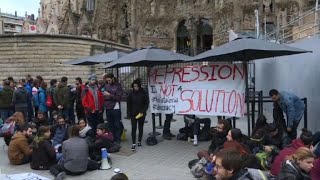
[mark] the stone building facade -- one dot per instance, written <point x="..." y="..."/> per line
<point x="43" y="54"/>
<point x="182" y="25"/>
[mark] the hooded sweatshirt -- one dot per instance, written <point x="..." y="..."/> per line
<point x="284" y="154"/>
<point x="291" y="171"/>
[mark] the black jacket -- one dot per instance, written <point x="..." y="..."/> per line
<point x="290" y="171"/>
<point x="138" y="102"/>
<point x="44" y="156"/>
<point x="217" y="140"/>
<point x="6" y="95"/>
<point x="20" y="98"/>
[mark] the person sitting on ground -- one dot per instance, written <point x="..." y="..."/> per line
<point x="75" y="153"/>
<point x="219" y="136"/>
<point x="235" y="134"/>
<point x="260" y="124"/>
<point x="229" y="166"/>
<point x="40" y="120"/>
<point x="104" y="139"/>
<point x="44" y="154"/>
<point x="59" y="131"/>
<point x="276" y="138"/>
<point x="119" y="176"/>
<point x="298" y="166"/>
<point x="19" y="151"/>
<point x="305" y="140"/>
<point x="86" y="132"/>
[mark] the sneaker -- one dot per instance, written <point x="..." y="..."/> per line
<point x="139" y="144"/>
<point x="166" y="136"/>
<point x="195" y="143"/>
<point x="133" y="147"/>
<point x="60" y="176"/>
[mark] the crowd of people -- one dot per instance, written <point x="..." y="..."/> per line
<point x="61" y="128"/>
<point x="272" y="151"/>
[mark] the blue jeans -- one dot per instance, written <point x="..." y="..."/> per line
<point x="92" y="119"/>
<point x="113" y="118"/>
<point x="5" y="113"/>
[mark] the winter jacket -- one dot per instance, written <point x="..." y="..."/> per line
<point x="44" y="156"/>
<point x="293" y="106"/>
<point x="75" y="152"/>
<point x="218" y="139"/>
<point x="6" y="95"/>
<point x="51" y="92"/>
<point x="104" y="141"/>
<point x="291" y="171"/>
<point x="88" y="100"/>
<point x="20" y="98"/>
<point x="79" y="90"/>
<point x="18" y="149"/>
<point x="250" y="174"/>
<point x="54" y="136"/>
<point x="137" y="102"/>
<point x="61" y="96"/>
<point x="315" y="171"/>
<point x="284" y="154"/>
<point x="115" y="96"/>
<point x="42" y="100"/>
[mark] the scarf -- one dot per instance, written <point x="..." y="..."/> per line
<point x="83" y="132"/>
<point x="36" y="141"/>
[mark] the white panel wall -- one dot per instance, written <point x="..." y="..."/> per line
<point x="299" y="74"/>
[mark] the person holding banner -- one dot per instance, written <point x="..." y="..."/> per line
<point x="138" y="103"/>
<point x="292" y="106"/>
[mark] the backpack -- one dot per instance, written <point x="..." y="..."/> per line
<point x="49" y="101"/>
<point x="265" y="160"/>
<point x="36" y="100"/>
<point x="151" y="141"/>
<point x="198" y="168"/>
<point x="8" y="128"/>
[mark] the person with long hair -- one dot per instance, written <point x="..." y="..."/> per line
<point x="298" y="166"/>
<point x="138" y="103"/>
<point x="43" y="154"/>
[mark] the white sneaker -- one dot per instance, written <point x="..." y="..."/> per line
<point x="195" y="143"/>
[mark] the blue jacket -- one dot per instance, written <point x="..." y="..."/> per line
<point x="42" y="100"/>
<point x="293" y="106"/>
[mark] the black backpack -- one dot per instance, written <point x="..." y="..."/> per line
<point x="151" y="141"/>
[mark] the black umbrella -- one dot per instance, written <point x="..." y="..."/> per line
<point x="96" y="59"/>
<point x="246" y="50"/>
<point x="149" y="56"/>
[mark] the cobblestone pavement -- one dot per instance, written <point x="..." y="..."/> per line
<point x="164" y="161"/>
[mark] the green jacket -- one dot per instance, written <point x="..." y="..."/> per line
<point x="61" y="95"/>
<point x="6" y="97"/>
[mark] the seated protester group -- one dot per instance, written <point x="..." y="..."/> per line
<point x="59" y="131"/>
<point x="104" y="139"/>
<point x="298" y="166"/>
<point x="19" y="151"/>
<point x="305" y="140"/>
<point x="199" y="134"/>
<point x="75" y="154"/>
<point x="43" y="154"/>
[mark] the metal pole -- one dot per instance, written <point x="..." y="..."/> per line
<point x="256" y="12"/>
<point x="245" y="64"/>
<point x="316" y="17"/>
<point x="305" y="124"/>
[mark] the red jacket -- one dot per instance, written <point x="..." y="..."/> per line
<point x="315" y="171"/>
<point x="284" y="154"/>
<point x="88" y="101"/>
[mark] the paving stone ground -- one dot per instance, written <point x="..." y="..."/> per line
<point x="165" y="161"/>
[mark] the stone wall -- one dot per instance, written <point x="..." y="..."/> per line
<point x="35" y="54"/>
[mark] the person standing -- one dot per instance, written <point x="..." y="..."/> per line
<point x="61" y="97"/>
<point x="6" y="94"/>
<point x="20" y="99"/>
<point x="43" y="99"/>
<point x="50" y="94"/>
<point x="292" y="106"/>
<point x="166" y="128"/>
<point x="79" y="107"/>
<point x="112" y="97"/>
<point x="138" y="103"/>
<point x="92" y="101"/>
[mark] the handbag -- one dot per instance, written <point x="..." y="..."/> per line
<point x="8" y="128"/>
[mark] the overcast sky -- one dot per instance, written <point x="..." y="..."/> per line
<point x="21" y="6"/>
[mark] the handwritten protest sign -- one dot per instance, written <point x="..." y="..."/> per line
<point x="216" y="89"/>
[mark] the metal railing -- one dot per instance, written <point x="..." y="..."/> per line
<point x="302" y="26"/>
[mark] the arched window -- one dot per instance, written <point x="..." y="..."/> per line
<point x="90" y="5"/>
<point x="204" y="37"/>
<point x="183" y="39"/>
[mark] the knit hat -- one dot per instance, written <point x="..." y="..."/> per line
<point x="92" y="77"/>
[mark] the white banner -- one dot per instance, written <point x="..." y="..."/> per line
<point x="215" y="89"/>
